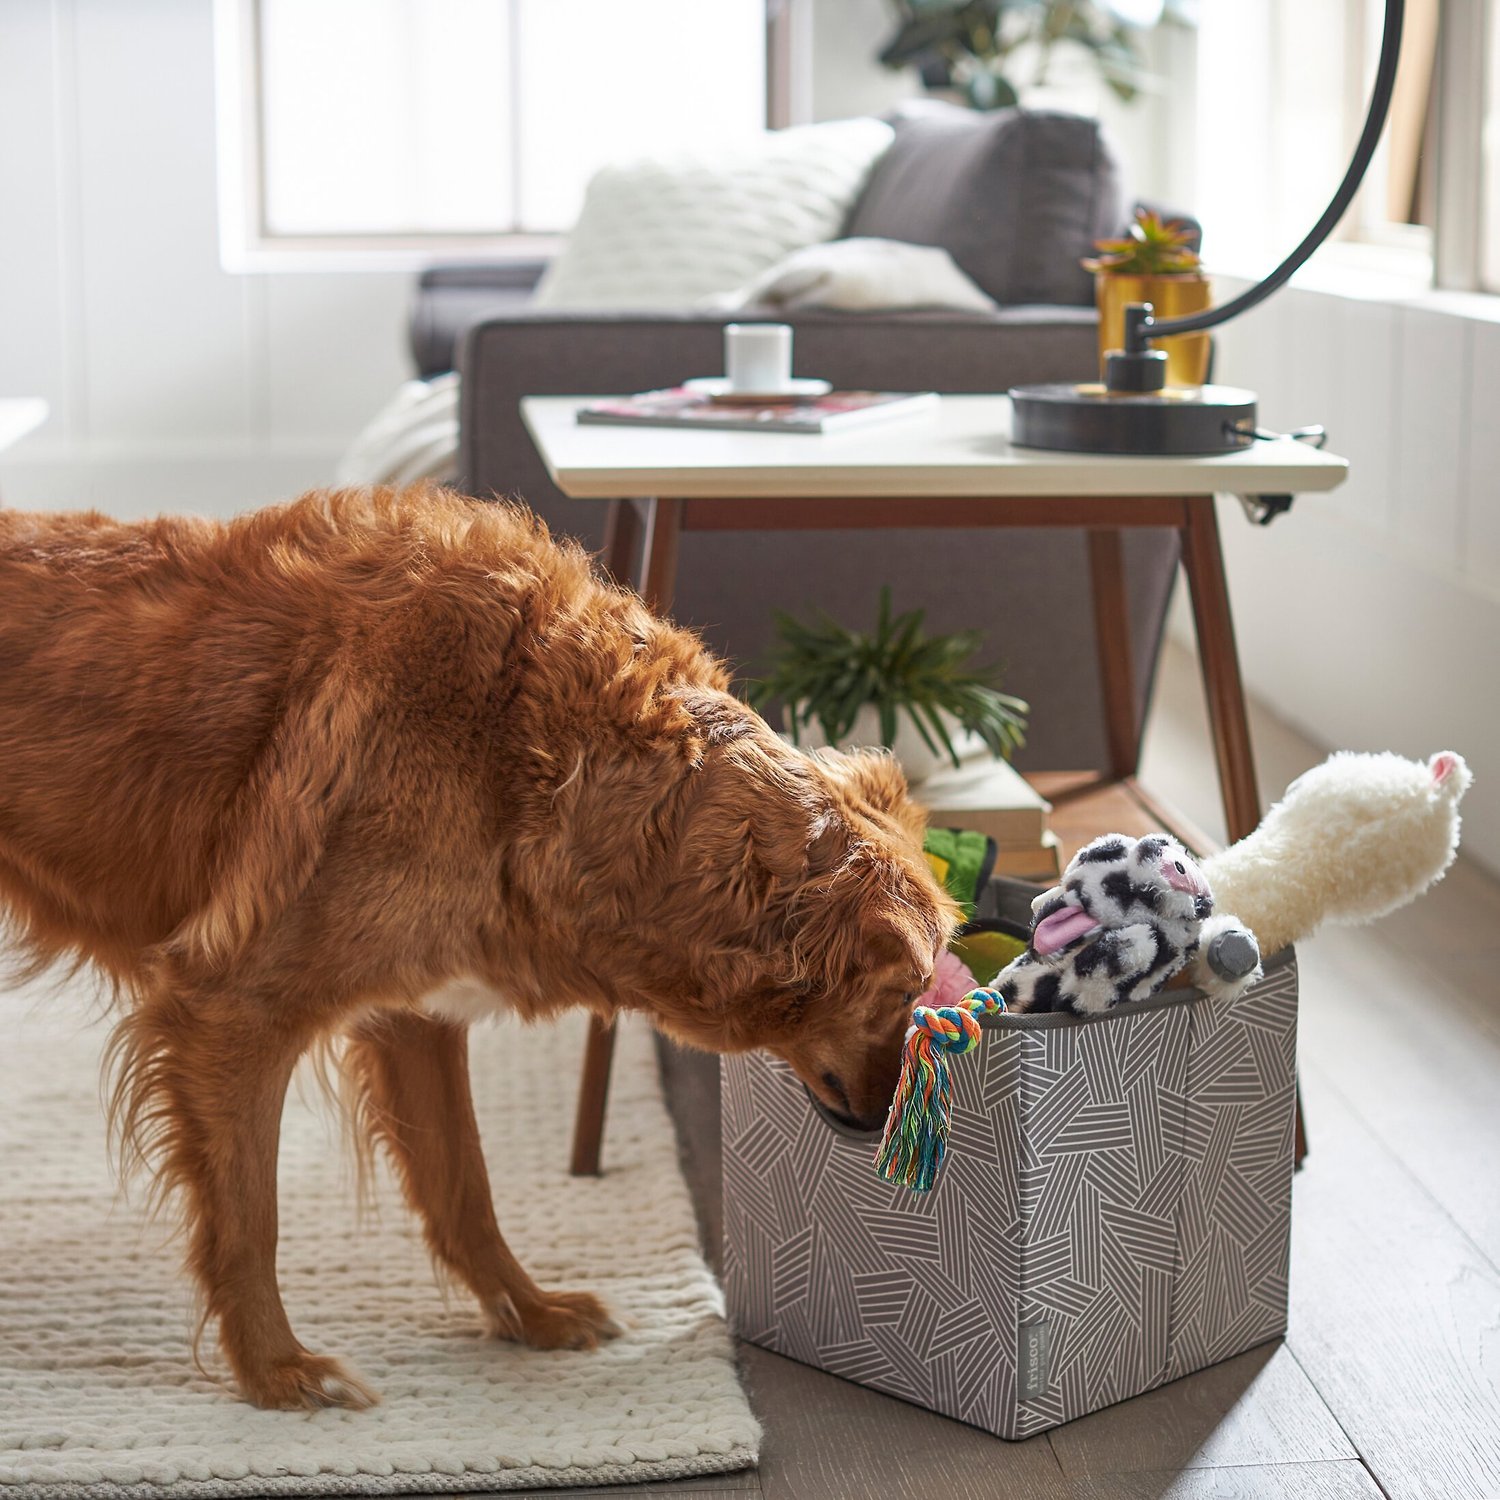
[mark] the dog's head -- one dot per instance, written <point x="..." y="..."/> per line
<point x="808" y="917"/>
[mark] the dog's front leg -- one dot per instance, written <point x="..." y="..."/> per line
<point x="413" y="1076"/>
<point x="201" y="1085"/>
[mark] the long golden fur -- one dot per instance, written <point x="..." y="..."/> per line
<point x="298" y="776"/>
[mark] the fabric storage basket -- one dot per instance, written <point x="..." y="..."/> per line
<point x="1113" y="1213"/>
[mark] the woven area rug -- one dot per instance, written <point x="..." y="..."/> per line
<point x="98" y="1394"/>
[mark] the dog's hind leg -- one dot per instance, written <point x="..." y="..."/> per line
<point x="200" y="1083"/>
<point x="412" y="1074"/>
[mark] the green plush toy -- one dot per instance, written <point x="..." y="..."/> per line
<point x="963" y="862"/>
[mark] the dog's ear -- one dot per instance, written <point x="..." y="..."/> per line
<point x="828" y="843"/>
<point x="873" y="775"/>
<point x="875" y="779"/>
<point x="759" y="822"/>
<point x="691" y="721"/>
<point x="718" y="717"/>
<point x="865" y="914"/>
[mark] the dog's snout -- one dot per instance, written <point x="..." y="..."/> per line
<point x="840" y="1107"/>
<point x="835" y="1086"/>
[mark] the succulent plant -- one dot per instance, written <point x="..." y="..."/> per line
<point x="1153" y="247"/>
<point x="822" y="671"/>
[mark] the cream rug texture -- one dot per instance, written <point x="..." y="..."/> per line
<point x="98" y="1393"/>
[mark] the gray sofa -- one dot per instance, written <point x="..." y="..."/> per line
<point x="1017" y="198"/>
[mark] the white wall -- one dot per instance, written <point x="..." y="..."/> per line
<point x="846" y="79"/>
<point x="1370" y="618"/>
<point x="173" y="384"/>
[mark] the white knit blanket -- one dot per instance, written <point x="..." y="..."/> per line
<point x="98" y="1394"/>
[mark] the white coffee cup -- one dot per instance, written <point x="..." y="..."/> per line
<point x="758" y="356"/>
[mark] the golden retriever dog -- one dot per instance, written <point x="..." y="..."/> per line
<point x="290" y="778"/>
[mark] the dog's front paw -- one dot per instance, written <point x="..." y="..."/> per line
<point x="309" y="1382"/>
<point x="568" y="1320"/>
<point x="557" y="1320"/>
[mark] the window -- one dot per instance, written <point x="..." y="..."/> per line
<point x="1488" y="229"/>
<point x="1283" y="87"/>
<point x="435" y="125"/>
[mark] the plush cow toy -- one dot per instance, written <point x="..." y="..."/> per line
<point x="1129" y="915"/>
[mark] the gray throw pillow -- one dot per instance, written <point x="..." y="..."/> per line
<point x="1016" y="197"/>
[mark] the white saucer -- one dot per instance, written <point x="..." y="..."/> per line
<point x="718" y="389"/>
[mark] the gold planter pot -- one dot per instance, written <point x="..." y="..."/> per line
<point x="1172" y="297"/>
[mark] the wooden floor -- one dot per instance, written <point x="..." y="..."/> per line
<point x="1388" y="1382"/>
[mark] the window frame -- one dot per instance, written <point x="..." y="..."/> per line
<point x="245" y="243"/>
<point x="1463" y="245"/>
<point x="1455" y="250"/>
<point x="1463" y="50"/>
<point x="1374" y="228"/>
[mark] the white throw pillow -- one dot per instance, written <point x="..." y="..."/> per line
<point x="666" y="232"/>
<point x="414" y="436"/>
<point x="862" y="275"/>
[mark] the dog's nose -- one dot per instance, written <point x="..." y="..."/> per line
<point x="863" y="1123"/>
<point x="845" y="1113"/>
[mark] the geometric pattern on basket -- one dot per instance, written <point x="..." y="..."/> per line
<point x="1113" y="1212"/>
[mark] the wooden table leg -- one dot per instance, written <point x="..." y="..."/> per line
<point x="622" y="543"/>
<point x="1116" y="668"/>
<point x="1203" y="561"/>
<point x="662" y="529"/>
<point x="1204" y="564"/>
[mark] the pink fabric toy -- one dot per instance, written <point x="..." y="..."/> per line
<point x="951" y="981"/>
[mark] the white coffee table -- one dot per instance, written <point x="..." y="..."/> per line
<point x="959" y="449"/>
<point x="949" y="466"/>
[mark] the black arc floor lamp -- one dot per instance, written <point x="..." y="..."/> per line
<point x="1133" y="411"/>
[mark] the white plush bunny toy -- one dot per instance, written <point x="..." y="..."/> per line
<point x="1350" y="841"/>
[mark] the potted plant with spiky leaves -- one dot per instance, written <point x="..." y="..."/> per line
<point x="996" y="53"/>
<point x="920" y="695"/>
<point x="1153" y="262"/>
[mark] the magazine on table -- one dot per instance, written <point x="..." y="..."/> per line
<point x="683" y="408"/>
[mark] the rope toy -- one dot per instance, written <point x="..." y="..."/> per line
<point x="916" y="1129"/>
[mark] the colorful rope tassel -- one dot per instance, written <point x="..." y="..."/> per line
<point x="916" y="1130"/>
